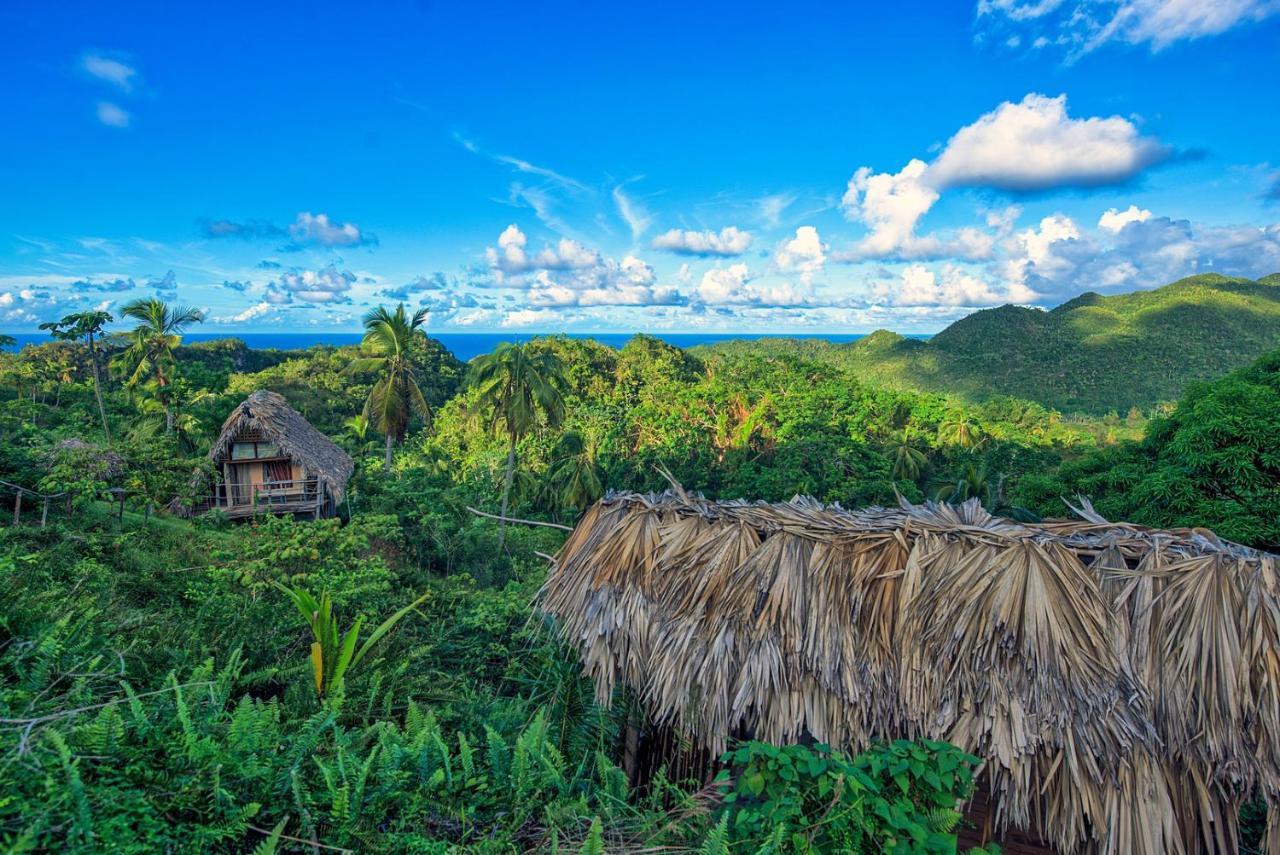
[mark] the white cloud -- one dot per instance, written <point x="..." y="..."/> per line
<point x="733" y="286"/>
<point x="889" y="204"/>
<point x="252" y="313"/>
<point x="328" y="285"/>
<point x="917" y="285"/>
<point x="528" y="317"/>
<point x="728" y="242"/>
<point x="511" y="258"/>
<point x="1145" y="253"/>
<point x="113" y="115"/>
<point x="1035" y="145"/>
<point x="113" y="71"/>
<point x="1113" y="220"/>
<point x="1085" y="25"/>
<point x="632" y="212"/>
<point x="804" y="254"/>
<point x="630" y="282"/>
<point x="319" y="229"/>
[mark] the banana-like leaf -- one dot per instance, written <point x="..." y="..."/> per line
<point x="385" y="627"/>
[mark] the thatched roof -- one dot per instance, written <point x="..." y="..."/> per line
<point x="1121" y="683"/>
<point x="269" y="413"/>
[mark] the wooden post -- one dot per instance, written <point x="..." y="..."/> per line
<point x="17" y="506"/>
<point x="227" y="495"/>
<point x="44" y="513"/>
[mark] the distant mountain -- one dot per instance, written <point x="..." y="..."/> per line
<point x="1092" y="354"/>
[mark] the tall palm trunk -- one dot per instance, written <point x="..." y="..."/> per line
<point x="506" y="491"/>
<point x="97" y="388"/>
<point x="391" y="444"/>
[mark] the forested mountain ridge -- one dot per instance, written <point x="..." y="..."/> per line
<point x="1092" y="354"/>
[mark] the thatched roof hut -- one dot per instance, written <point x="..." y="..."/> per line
<point x="1121" y="683"/>
<point x="268" y="457"/>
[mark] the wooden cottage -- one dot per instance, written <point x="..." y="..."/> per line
<point x="269" y="459"/>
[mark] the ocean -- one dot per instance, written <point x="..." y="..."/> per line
<point x="465" y="346"/>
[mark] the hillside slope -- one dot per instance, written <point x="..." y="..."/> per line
<point x="1092" y="354"/>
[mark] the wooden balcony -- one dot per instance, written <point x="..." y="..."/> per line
<point x="269" y="497"/>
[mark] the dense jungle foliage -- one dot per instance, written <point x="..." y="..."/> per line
<point x="1092" y="354"/>
<point x="159" y="689"/>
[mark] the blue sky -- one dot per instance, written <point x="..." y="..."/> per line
<point x="594" y="167"/>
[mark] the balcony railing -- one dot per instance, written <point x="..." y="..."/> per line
<point x="294" y="494"/>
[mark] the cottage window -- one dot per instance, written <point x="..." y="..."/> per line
<point x="242" y="451"/>
<point x="268" y="449"/>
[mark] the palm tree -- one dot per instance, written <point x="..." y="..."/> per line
<point x="956" y="429"/>
<point x="396" y="396"/>
<point x="86" y="325"/>
<point x="909" y="462"/>
<point x="573" y="480"/>
<point x="515" y="384"/>
<point x="150" y="354"/>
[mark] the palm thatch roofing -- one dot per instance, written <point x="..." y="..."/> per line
<point x="1122" y="684"/>
<point x="270" y="414"/>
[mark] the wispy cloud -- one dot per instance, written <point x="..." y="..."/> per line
<point x="113" y="115"/>
<point x="110" y="70"/>
<point x="637" y="218"/>
<point x="521" y="165"/>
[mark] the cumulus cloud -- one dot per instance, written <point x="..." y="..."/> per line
<point x="112" y="115"/>
<point x="1059" y="260"/>
<point x="1114" y="220"/>
<point x="1085" y="25"/>
<point x="891" y="205"/>
<point x="327" y="285"/>
<point x="166" y="286"/>
<point x="630" y="282"/>
<point x="252" y="313"/>
<point x="511" y="258"/>
<point x="1035" y="145"/>
<point x="528" y="317"/>
<point x="319" y="229"/>
<point x="30" y="305"/>
<point x="110" y="70"/>
<point x="728" y="242"/>
<point x="917" y="285"/>
<point x="804" y="254"/>
<point x="733" y="286"/>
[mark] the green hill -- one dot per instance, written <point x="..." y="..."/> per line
<point x="1092" y="354"/>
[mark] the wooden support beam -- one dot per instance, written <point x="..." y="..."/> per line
<point x="521" y="522"/>
<point x="17" y="507"/>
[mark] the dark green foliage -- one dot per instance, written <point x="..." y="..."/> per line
<point x="1214" y="462"/>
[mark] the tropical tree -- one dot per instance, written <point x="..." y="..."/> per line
<point x="909" y="461"/>
<point x="515" y="384"/>
<point x="150" y="354"/>
<point x="86" y="325"/>
<point x="958" y="430"/>
<point x="395" y="397"/>
<point x="573" y="480"/>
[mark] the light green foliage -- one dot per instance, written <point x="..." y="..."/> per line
<point x="1089" y="355"/>
<point x="332" y="653"/>
<point x="899" y="797"/>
